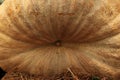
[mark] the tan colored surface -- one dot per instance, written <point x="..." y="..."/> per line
<point x="88" y="31"/>
<point x="65" y="76"/>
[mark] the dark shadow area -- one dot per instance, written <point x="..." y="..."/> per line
<point x="2" y="73"/>
<point x="1" y="1"/>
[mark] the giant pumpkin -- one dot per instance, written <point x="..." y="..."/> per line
<point x="49" y="37"/>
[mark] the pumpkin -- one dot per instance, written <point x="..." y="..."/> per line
<point x="50" y="37"/>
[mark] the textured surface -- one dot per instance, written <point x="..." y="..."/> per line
<point x="65" y="76"/>
<point x="49" y="36"/>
